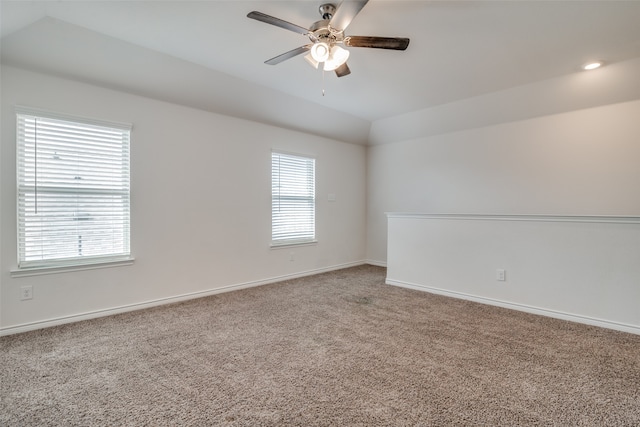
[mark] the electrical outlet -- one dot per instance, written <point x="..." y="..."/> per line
<point x="501" y="275"/>
<point x="26" y="292"/>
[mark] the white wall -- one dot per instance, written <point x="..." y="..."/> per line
<point x="580" y="268"/>
<point x="200" y="204"/>
<point x="584" y="162"/>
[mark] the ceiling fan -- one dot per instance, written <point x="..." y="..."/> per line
<point x="327" y="34"/>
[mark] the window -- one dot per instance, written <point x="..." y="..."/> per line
<point x="73" y="190"/>
<point x="293" y="207"/>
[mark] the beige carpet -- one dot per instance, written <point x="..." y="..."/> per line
<point x="337" y="349"/>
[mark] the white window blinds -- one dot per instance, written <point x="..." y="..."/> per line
<point x="73" y="190"/>
<point x="293" y="199"/>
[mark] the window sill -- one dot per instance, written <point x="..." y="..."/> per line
<point x="291" y="244"/>
<point x="38" y="271"/>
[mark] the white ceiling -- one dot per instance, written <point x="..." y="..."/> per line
<point x="458" y="50"/>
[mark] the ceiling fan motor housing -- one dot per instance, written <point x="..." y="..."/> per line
<point x="321" y="32"/>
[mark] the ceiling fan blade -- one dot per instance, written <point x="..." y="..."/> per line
<point x="343" y="70"/>
<point x="345" y="13"/>
<point x="396" y="43"/>
<point x="259" y="16"/>
<point x="288" y="55"/>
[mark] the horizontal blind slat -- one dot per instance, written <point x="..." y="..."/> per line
<point x="293" y="198"/>
<point x="73" y="190"/>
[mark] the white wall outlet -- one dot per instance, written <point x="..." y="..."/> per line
<point x="501" y="275"/>
<point x="26" y="292"/>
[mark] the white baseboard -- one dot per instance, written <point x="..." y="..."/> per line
<point x="377" y="263"/>
<point x="520" y="307"/>
<point x="169" y="300"/>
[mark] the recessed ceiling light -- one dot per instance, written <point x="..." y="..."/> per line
<point x="592" y="65"/>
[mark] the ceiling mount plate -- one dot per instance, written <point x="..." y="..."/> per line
<point x="327" y="10"/>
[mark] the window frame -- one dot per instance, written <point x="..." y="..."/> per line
<point x="294" y="241"/>
<point x="122" y="256"/>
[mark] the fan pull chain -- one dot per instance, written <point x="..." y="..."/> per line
<point x="323" y="82"/>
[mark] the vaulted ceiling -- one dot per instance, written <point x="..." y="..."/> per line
<point x="209" y="55"/>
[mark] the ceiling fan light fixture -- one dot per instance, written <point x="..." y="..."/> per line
<point x="311" y="61"/>
<point x="338" y="57"/>
<point x="320" y="52"/>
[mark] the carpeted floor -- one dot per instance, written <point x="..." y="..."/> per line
<point x="337" y="349"/>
